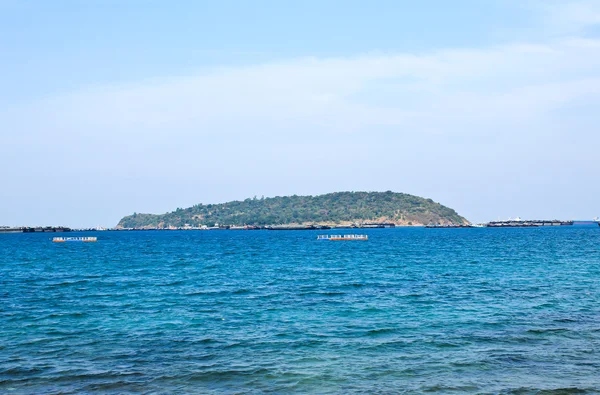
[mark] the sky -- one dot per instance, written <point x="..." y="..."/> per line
<point x="109" y="107"/>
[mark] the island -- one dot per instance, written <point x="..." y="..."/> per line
<point x="339" y="209"/>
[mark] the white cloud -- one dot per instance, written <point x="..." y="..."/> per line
<point x="486" y="116"/>
<point x="335" y="96"/>
<point x="570" y="17"/>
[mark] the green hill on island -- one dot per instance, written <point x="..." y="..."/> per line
<point x="333" y="208"/>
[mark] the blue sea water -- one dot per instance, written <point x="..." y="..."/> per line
<point x="409" y="311"/>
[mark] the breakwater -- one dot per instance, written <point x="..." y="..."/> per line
<point x="449" y="226"/>
<point x="516" y="223"/>
<point x="39" y="229"/>
<point x="527" y="223"/>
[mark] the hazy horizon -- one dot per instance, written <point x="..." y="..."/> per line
<point x="109" y="108"/>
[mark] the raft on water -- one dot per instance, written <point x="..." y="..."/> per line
<point x="342" y="237"/>
<point x="80" y="239"/>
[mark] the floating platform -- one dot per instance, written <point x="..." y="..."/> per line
<point x="75" y="239"/>
<point x="342" y="237"/>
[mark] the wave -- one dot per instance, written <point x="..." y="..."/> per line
<point x="541" y="331"/>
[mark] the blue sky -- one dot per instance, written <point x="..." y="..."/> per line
<point x="110" y="107"/>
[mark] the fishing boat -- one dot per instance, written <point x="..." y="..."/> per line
<point x="342" y="237"/>
<point x="78" y="239"/>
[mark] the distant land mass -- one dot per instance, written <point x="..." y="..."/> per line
<point x="339" y="208"/>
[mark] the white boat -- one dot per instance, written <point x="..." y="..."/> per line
<point x="77" y="239"/>
<point x="342" y="237"/>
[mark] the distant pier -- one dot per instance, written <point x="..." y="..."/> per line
<point x="510" y="223"/>
<point x="449" y="226"/>
<point x="39" y="229"/>
<point x="527" y="223"/>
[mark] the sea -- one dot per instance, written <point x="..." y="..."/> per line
<point x="410" y="311"/>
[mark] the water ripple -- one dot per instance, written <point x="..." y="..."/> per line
<point x="500" y="311"/>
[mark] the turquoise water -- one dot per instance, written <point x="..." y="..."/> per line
<point x="410" y="310"/>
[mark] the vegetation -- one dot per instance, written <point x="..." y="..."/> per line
<point x="332" y="208"/>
